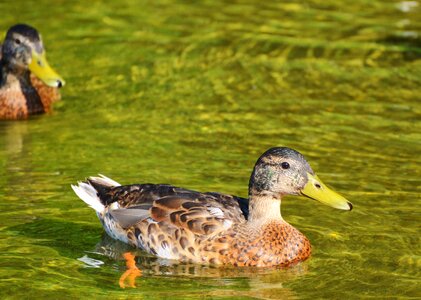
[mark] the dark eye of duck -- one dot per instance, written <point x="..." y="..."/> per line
<point x="285" y="165"/>
<point x="17" y="41"/>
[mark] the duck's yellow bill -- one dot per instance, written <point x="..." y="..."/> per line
<point x="317" y="190"/>
<point x="40" y="67"/>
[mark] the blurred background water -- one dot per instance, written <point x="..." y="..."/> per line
<point x="191" y="93"/>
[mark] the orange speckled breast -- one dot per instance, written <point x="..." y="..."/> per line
<point x="19" y="103"/>
<point x="276" y="244"/>
<point x="12" y="105"/>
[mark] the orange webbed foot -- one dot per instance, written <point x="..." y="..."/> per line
<point x="132" y="271"/>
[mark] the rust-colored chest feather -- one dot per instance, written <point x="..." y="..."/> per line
<point x="19" y="100"/>
<point x="274" y="244"/>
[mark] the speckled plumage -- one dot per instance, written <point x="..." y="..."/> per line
<point x="207" y="228"/>
<point x="22" y="93"/>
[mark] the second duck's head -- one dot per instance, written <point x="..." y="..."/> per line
<point x="23" y="50"/>
<point x="283" y="171"/>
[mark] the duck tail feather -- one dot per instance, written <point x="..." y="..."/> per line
<point x="94" y="191"/>
<point x="89" y="195"/>
<point x="103" y="185"/>
<point x="104" y="180"/>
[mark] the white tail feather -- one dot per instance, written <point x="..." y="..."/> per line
<point x="104" y="180"/>
<point x="88" y="194"/>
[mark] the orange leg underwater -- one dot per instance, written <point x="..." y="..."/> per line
<point x="132" y="271"/>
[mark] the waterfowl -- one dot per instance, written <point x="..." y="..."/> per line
<point x="213" y="228"/>
<point x="28" y="85"/>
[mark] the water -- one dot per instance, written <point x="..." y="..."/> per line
<point x="191" y="93"/>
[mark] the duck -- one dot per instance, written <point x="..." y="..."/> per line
<point x="214" y="228"/>
<point x="28" y="85"/>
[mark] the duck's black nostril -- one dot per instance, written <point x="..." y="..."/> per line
<point x="317" y="185"/>
<point x="59" y="84"/>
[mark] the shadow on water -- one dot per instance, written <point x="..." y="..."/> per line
<point x="63" y="236"/>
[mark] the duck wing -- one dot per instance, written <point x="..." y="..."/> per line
<point x="200" y="213"/>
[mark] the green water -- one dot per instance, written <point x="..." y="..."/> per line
<point x="191" y="93"/>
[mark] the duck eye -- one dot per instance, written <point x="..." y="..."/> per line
<point x="285" y="165"/>
<point x="17" y="41"/>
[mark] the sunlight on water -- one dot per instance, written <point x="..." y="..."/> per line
<point x="191" y="93"/>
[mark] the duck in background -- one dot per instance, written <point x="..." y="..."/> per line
<point x="28" y="85"/>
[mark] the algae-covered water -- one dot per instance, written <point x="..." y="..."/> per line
<point x="191" y="93"/>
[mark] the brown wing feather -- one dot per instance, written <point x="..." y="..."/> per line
<point x="199" y="213"/>
<point x="136" y="194"/>
<point x="201" y="216"/>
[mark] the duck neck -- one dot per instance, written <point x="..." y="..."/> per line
<point x="264" y="207"/>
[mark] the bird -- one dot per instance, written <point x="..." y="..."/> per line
<point x="28" y="85"/>
<point x="214" y="228"/>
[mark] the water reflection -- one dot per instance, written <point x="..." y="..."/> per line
<point x="13" y="134"/>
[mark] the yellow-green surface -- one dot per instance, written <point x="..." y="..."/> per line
<point x="191" y="93"/>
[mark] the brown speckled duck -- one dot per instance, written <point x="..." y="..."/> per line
<point x="213" y="228"/>
<point x="28" y="85"/>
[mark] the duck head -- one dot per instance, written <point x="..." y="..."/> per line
<point x="283" y="171"/>
<point x="23" y="50"/>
